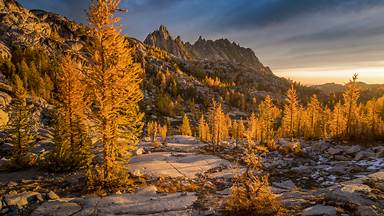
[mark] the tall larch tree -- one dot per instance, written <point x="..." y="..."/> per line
<point x="252" y="130"/>
<point x="114" y="81"/>
<point x="240" y="130"/>
<point x="22" y="125"/>
<point x="185" y="128"/>
<point x="234" y="127"/>
<point x="291" y="109"/>
<point x="218" y="124"/>
<point x="337" y="121"/>
<point x="351" y="96"/>
<point x="325" y="122"/>
<point x="314" y="112"/>
<point x="203" y="130"/>
<point x="72" y="144"/>
<point x="268" y="113"/>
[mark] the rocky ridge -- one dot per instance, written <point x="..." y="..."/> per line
<point x="22" y="27"/>
<point x="221" y="50"/>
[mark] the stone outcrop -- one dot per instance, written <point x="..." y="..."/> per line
<point x="221" y="50"/>
<point x="163" y="40"/>
<point x="23" y="27"/>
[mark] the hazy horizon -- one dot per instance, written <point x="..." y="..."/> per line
<point x="312" y="42"/>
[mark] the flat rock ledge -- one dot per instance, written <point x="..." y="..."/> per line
<point x="126" y="204"/>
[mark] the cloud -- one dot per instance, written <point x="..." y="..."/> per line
<point x="73" y="9"/>
<point x="257" y="14"/>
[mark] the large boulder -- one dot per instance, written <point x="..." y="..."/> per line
<point x="319" y="146"/>
<point x="366" y="211"/>
<point x="139" y="204"/>
<point x="319" y="210"/>
<point x="57" y="208"/>
<point x="22" y="199"/>
<point x="352" y="194"/>
<point x="363" y="155"/>
<point x="5" y="164"/>
<point x="335" y="150"/>
<point x="353" y="149"/>
<point x="288" y="185"/>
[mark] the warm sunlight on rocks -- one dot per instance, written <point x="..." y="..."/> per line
<point x="98" y="118"/>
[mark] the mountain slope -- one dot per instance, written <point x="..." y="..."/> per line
<point x="227" y="61"/>
<point x="179" y="77"/>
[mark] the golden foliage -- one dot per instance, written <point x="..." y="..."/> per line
<point x="152" y="130"/>
<point x="185" y="128"/>
<point x="312" y="119"/>
<point x="252" y="195"/>
<point x="21" y="126"/>
<point x="72" y="144"/>
<point x="163" y="133"/>
<point x="219" y="124"/>
<point x="351" y="96"/>
<point x="114" y="81"/>
<point x="268" y="113"/>
<point x="291" y="113"/>
<point x="204" y="134"/>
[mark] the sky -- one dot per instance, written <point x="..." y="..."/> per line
<point x="311" y="41"/>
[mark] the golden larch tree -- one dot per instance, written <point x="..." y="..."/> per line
<point x="72" y="144"/>
<point x="234" y="127"/>
<point x="152" y="130"/>
<point x="268" y="113"/>
<point x="218" y="124"/>
<point x="314" y="111"/>
<point x="114" y="80"/>
<point x="163" y="133"/>
<point x="240" y="130"/>
<point x="253" y="128"/>
<point x="291" y="110"/>
<point x="337" y="121"/>
<point x="185" y="128"/>
<point x="22" y="126"/>
<point x="351" y="96"/>
<point x="203" y="130"/>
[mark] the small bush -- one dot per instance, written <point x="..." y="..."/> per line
<point x="252" y="195"/>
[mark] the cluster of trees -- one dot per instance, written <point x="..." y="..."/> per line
<point x="98" y="96"/>
<point x="153" y="129"/>
<point x="215" y="82"/>
<point x="35" y="69"/>
<point x="347" y="119"/>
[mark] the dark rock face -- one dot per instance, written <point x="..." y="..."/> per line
<point x="204" y="50"/>
<point x="163" y="40"/>
<point x="224" y="50"/>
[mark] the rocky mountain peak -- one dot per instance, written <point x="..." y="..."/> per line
<point x="162" y="39"/>
<point x="207" y="50"/>
<point x="163" y="31"/>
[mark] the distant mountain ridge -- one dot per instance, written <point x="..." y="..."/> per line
<point x="367" y="91"/>
<point x="202" y="49"/>
<point x="328" y="88"/>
